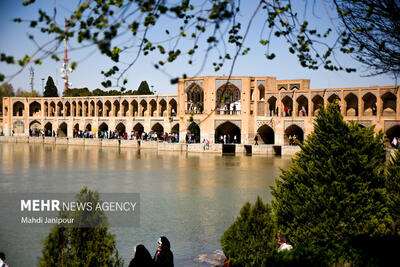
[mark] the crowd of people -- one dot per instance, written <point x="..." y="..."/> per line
<point x="292" y="140"/>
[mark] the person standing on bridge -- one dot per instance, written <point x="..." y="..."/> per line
<point x="256" y="140"/>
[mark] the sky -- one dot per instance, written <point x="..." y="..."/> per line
<point x="285" y="66"/>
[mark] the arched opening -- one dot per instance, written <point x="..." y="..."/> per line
<point x="194" y="98"/>
<point x="158" y="129"/>
<point x="34" y="109"/>
<point x="175" y="129"/>
<point x="60" y="109"/>
<point x="85" y="108"/>
<point x="134" y="108"/>
<point x="388" y="104"/>
<point x="120" y="129"/>
<point x="163" y="108"/>
<point x="333" y="98"/>
<point x="116" y="108"/>
<point x="125" y="108"/>
<point x="74" y="112"/>
<point x="67" y="109"/>
<point x="153" y="108"/>
<point x="138" y="128"/>
<point x="261" y="92"/>
<point x="52" y="109"/>
<point x="228" y="99"/>
<point x="318" y="102"/>
<point x="272" y="106"/>
<point x="393" y="132"/>
<point x="48" y="127"/>
<point x="76" y="129"/>
<point x="173" y="107"/>
<point x="34" y="128"/>
<point x="18" y="127"/>
<point x="287" y="102"/>
<point x="293" y="131"/>
<point x="226" y="133"/>
<point x="103" y="127"/>
<point x="351" y="105"/>
<point x="107" y="108"/>
<point x="99" y="106"/>
<point x="266" y="134"/>
<point x="46" y="109"/>
<point x="18" y="109"/>
<point x="62" y="130"/>
<point x="302" y="106"/>
<point x="193" y="134"/>
<point x="143" y="107"/>
<point x="88" y="127"/>
<point x="91" y="109"/>
<point x="79" y="109"/>
<point x="370" y="107"/>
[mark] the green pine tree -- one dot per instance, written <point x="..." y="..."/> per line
<point x="81" y="246"/>
<point x="251" y="237"/>
<point x="143" y="89"/>
<point x="335" y="188"/>
<point x="393" y="188"/>
<point x="50" y="90"/>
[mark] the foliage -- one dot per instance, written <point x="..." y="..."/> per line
<point x="371" y="32"/>
<point x="335" y="189"/>
<point x="81" y="246"/>
<point x="143" y="89"/>
<point x="251" y="237"/>
<point x="50" y="90"/>
<point x="6" y="89"/>
<point x="393" y="188"/>
<point x="367" y="30"/>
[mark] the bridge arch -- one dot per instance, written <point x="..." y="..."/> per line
<point x="18" y="109"/>
<point x="294" y="130"/>
<point x="369" y="101"/>
<point x="351" y="105"/>
<point x="266" y="134"/>
<point x="318" y="102"/>
<point x="227" y="132"/>
<point x="62" y="130"/>
<point x="388" y="104"/>
<point x="34" y="109"/>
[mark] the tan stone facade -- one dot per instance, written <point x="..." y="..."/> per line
<point x="211" y="108"/>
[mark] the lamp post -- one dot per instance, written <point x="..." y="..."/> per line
<point x="42" y="85"/>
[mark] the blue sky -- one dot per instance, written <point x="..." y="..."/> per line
<point x="15" y="41"/>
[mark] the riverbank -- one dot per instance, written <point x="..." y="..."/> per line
<point x="161" y="146"/>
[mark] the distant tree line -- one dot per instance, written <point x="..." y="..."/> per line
<point x="142" y="90"/>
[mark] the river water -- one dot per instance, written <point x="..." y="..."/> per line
<point x="190" y="198"/>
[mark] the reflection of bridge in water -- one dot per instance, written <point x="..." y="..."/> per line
<point x="212" y="108"/>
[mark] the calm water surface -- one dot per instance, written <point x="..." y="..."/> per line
<point x="190" y="198"/>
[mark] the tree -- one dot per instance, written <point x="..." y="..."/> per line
<point x="6" y="89"/>
<point x="143" y="89"/>
<point x="393" y="188"/>
<point x="50" y="90"/>
<point x="216" y="25"/>
<point x="335" y="189"/>
<point x="81" y="246"/>
<point x="371" y="31"/>
<point x="253" y="235"/>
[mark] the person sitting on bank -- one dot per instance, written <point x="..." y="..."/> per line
<point x="2" y="260"/>
<point x="142" y="257"/>
<point x="163" y="256"/>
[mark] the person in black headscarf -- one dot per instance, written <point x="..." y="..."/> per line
<point x="164" y="256"/>
<point x="142" y="257"/>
